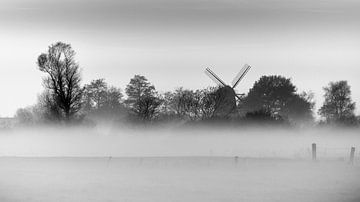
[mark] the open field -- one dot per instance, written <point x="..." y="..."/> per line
<point x="200" y="179"/>
<point x="45" y="165"/>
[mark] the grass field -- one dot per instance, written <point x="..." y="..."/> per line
<point x="46" y="165"/>
<point x="198" y="179"/>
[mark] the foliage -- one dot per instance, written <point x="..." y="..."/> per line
<point x="183" y="103"/>
<point x="63" y="79"/>
<point x="95" y="94"/>
<point x="272" y="99"/>
<point x="142" y="98"/>
<point x="262" y="116"/>
<point x="98" y="96"/>
<point x="102" y="102"/>
<point x="113" y="98"/>
<point x="137" y="88"/>
<point x="189" y="104"/>
<point x="277" y="96"/>
<point x="47" y="109"/>
<point x="207" y="102"/>
<point x="338" y="107"/>
<point x="147" y="107"/>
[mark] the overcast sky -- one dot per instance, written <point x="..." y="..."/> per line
<point x="172" y="42"/>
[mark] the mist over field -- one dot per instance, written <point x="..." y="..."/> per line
<point x="104" y="141"/>
<point x="178" y="164"/>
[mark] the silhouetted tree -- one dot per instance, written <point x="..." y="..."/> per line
<point x="147" y="107"/>
<point x="63" y="78"/>
<point x="142" y="98"/>
<point x="99" y="96"/>
<point x="189" y="104"/>
<point x="46" y="109"/>
<point x="300" y="108"/>
<point x="338" y="106"/>
<point x="113" y="99"/>
<point x="102" y="103"/>
<point x="166" y="108"/>
<point x="277" y="95"/>
<point x="137" y="88"/>
<point x="261" y="116"/>
<point x="184" y="103"/>
<point x="95" y="94"/>
<point x="207" y="102"/>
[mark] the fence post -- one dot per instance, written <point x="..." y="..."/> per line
<point x="352" y="155"/>
<point x="236" y="160"/>
<point x="313" y="146"/>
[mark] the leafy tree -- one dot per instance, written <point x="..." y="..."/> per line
<point x="102" y="102"/>
<point x="142" y="98"/>
<point x="137" y="88"/>
<point x="99" y="96"/>
<point x="24" y="116"/>
<point x="95" y="94"/>
<point x="63" y="78"/>
<point x="338" y="106"/>
<point x="300" y="108"/>
<point x="277" y="96"/>
<point x="113" y="99"/>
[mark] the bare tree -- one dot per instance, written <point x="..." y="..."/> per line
<point x="208" y="102"/>
<point x="189" y="104"/>
<point x="63" y="78"/>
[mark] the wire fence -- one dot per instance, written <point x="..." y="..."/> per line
<point x="341" y="153"/>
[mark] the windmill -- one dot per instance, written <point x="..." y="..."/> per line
<point x="225" y="101"/>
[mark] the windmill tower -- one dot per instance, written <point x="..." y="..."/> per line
<point x="225" y="102"/>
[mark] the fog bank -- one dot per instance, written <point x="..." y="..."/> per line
<point x="104" y="141"/>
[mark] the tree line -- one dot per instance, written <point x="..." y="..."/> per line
<point x="271" y="100"/>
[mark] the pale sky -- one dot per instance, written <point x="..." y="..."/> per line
<point x="172" y="42"/>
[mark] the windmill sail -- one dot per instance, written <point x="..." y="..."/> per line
<point x="240" y="75"/>
<point x="214" y="77"/>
